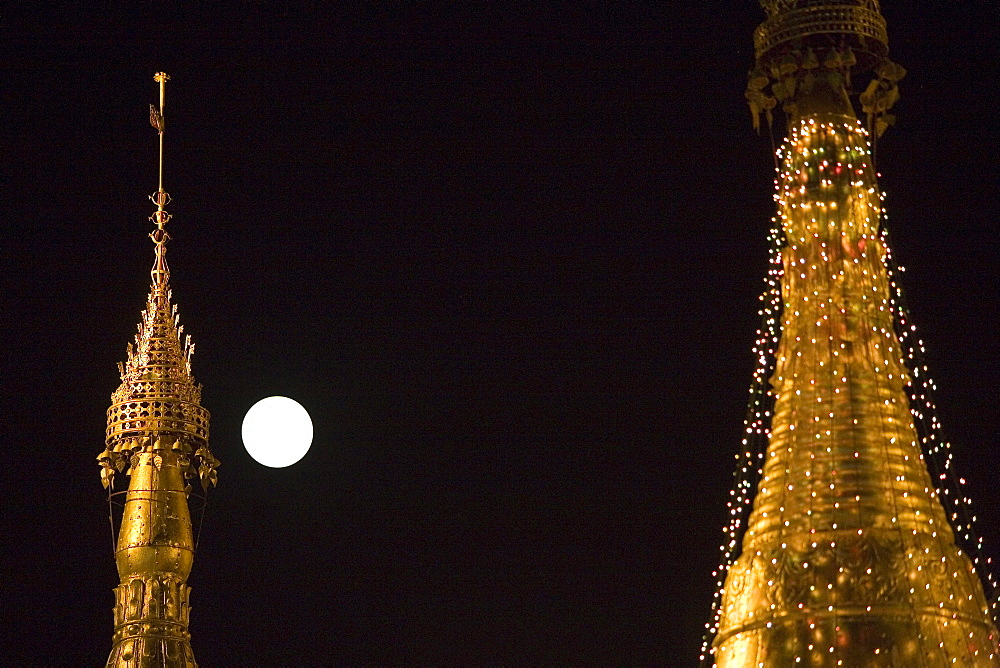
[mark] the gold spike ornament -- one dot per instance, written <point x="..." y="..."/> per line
<point x="157" y="435"/>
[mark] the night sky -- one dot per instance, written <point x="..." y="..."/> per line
<point x="508" y="257"/>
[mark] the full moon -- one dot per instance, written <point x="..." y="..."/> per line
<point x="277" y="431"/>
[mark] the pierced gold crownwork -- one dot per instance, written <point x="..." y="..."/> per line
<point x="854" y="23"/>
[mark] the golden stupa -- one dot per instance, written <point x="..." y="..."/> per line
<point x="847" y="558"/>
<point x="157" y="435"/>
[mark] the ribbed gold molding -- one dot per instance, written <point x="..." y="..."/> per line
<point x="795" y="24"/>
<point x="848" y="559"/>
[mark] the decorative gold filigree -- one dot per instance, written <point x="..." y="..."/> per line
<point x="151" y="620"/>
<point x="857" y="23"/>
<point x="773" y="7"/>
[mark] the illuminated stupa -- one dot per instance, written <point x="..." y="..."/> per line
<point x="157" y="435"/>
<point x="846" y="556"/>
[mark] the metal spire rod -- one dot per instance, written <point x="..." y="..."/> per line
<point x="162" y="78"/>
<point x="161" y="198"/>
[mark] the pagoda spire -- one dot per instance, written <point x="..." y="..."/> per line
<point x="847" y="557"/>
<point x="157" y="435"/>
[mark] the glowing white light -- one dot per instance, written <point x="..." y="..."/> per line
<point x="277" y="431"/>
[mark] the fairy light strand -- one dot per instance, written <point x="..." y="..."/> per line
<point x="936" y="451"/>
<point x="756" y="428"/>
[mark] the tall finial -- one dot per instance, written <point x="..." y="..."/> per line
<point x="157" y="435"/>
<point x="160" y="198"/>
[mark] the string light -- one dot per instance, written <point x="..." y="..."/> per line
<point x="756" y="425"/>
<point x="936" y="450"/>
<point x="831" y="279"/>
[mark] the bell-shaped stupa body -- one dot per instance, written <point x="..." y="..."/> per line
<point x="158" y="435"/>
<point x="848" y="558"/>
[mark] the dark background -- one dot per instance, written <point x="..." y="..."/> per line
<point x="507" y="256"/>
